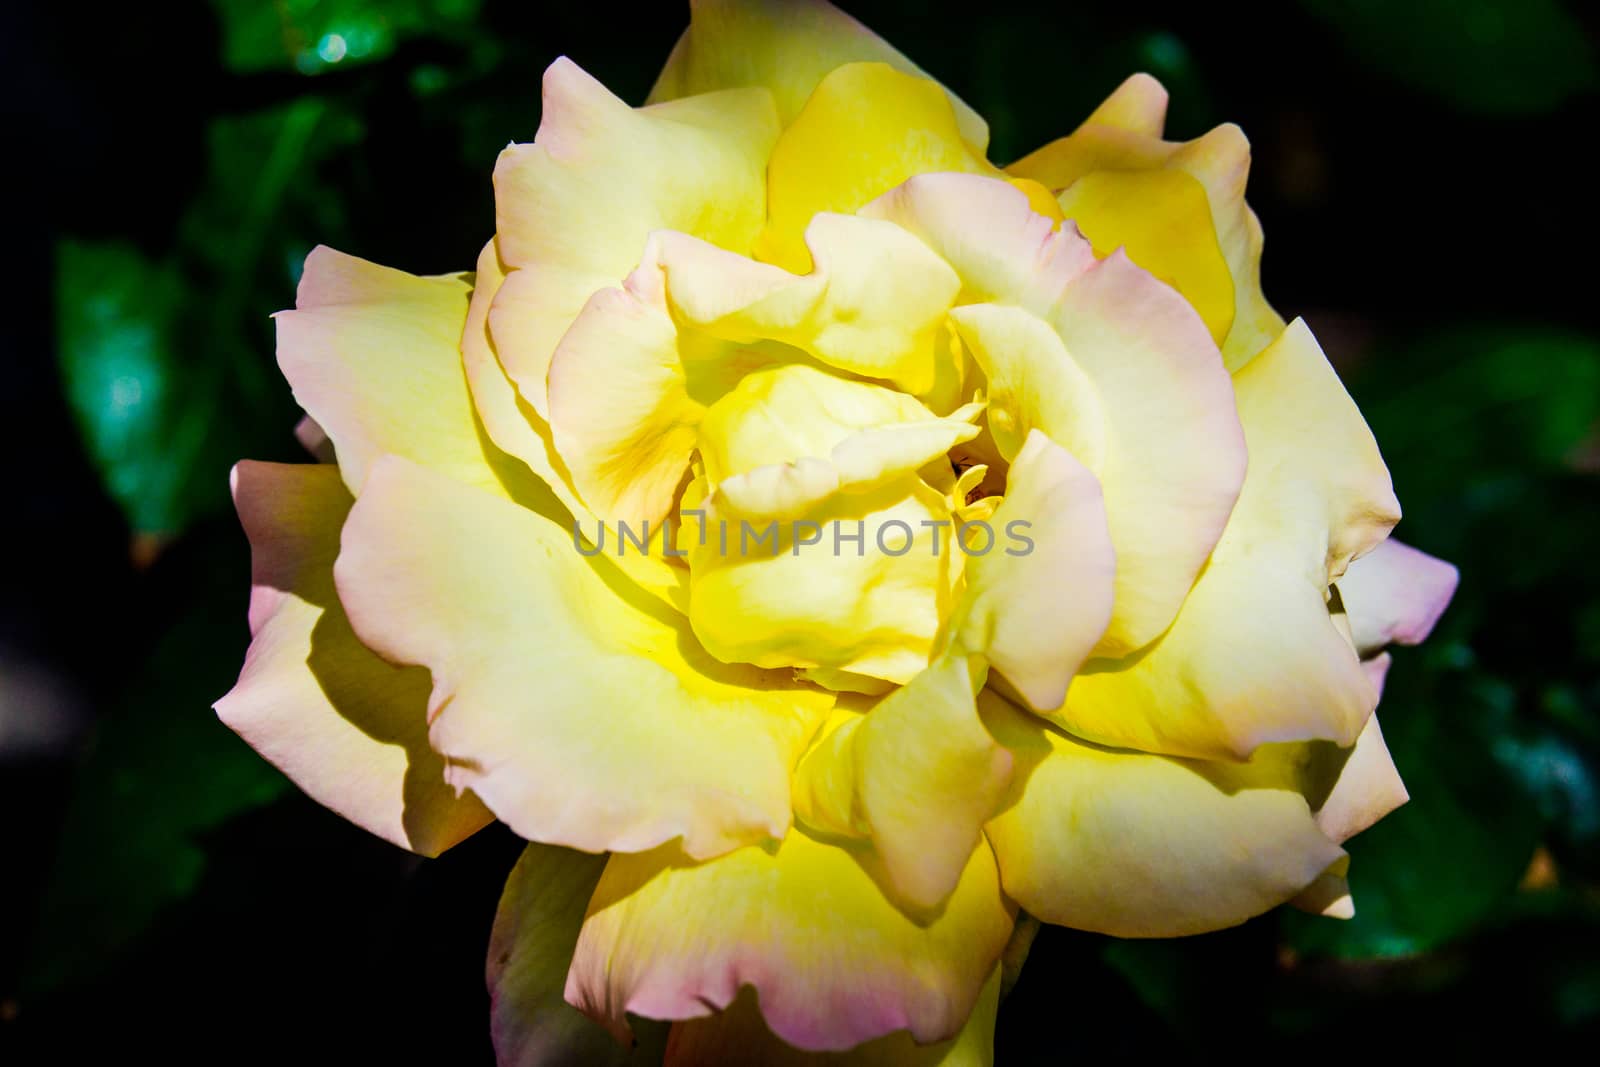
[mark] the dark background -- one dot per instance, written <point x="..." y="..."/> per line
<point x="1424" y="174"/>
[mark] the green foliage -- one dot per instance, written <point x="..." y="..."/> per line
<point x="317" y="35"/>
<point x="164" y="356"/>
<point x="1492" y="56"/>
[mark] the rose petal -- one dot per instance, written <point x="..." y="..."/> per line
<point x="1368" y="788"/>
<point x="1136" y="845"/>
<point x="1163" y="221"/>
<point x="785" y="46"/>
<point x="373" y="356"/>
<point x="865" y="129"/>
<point x="833" y="962"/>
<point x="530" y="948"/>
<point x="1220" y="161"/>
<point x="738" y="1035"/>
<point x="574" y="208"/>
<point x="1395" y="594"/>
<point x="348" y="728"/>
<point x="1138" y="105"/>
<point x="1174" y="453"/>
<point x="580" y="711"/>
<point x="918" y="775"/>
<point x="1036" y="610"/>
<point x="1253" y="656"/>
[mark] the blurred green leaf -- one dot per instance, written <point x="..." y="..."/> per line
<point x="1495" y="56"/>
<point x="315" y="35"/>
<point x="161" y="770"/>
<point x="172" y="381"/>
<point x="118" y="317"/>
<point x="1460" y="410"/>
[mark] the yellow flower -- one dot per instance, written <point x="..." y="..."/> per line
<point x="822" y="543"/>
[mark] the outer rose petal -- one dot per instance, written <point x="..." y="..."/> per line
<point x="573" y="209"/>
<point x="535" y="931"/>
<point x="1220" y="161"/>
<point x="1137" y="845"/>
<point x="1138" y="105"/>
<point x="1253" y="656"/>
<point x="1329" y="896"/>
<point x="833" y="962"/>
<point x="866" y="129"/>
<point x="1395" y="594"/>
<point x="786" y="46"/>
<point x="373" y="355"/>
<point x="1162" y="219"/>
<point x="737" y="1035"/>
<point x="1368" y="788"/>
<point x="351" y="730"/>
<point x="1174" y="453"/>
<point x="581" y="711"/>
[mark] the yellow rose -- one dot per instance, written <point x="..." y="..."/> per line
<point x="823" y="543"/>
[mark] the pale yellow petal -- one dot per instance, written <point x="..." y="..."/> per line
<point x="1036" y="608"/>
<point x="580" y="710"/>
<point x="1220" y="161"/>
<point x="785" y="46"/>
<point x="1253" y="655"/>
<point x="573" y="209"/>
<point x="918" y="774"/>
<point x="1137" y="845"/>
<point x="832" y="961"/>
<point x="1174" y="455"/>
<point x="373" y="355"/>
<point x="348" y="728"/>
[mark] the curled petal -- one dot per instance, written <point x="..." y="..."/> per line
<point x="1136" y="845"/>
<point x="918" y="774"/>
<point x="1174" y="452"/>
<point x="1253" y="656"/>
<point x="633" y="378"/>
<point x="1139" y="105"/>
<point x="574" y="208"/>
<point x="1368" y="787"/>
<point x="785" y="46"/>
<point x="514" y="426"/>
<point x="582" y="712"/>
<point x="1395" y="594"/>
<point x="1219" y="161"/>
<point x="1036" y="610"/>
<point x="832" y="961"/>
<point x="348" y="728"/>
<point x="373" y="355"/>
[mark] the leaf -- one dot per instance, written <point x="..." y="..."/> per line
<point x="167" y="360"/>
<point x="117" y="313"/>
<point x="315" y="35"/>
<point x="1508" y="57"/>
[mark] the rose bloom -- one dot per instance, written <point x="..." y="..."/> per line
<point x="798" y="795"/>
